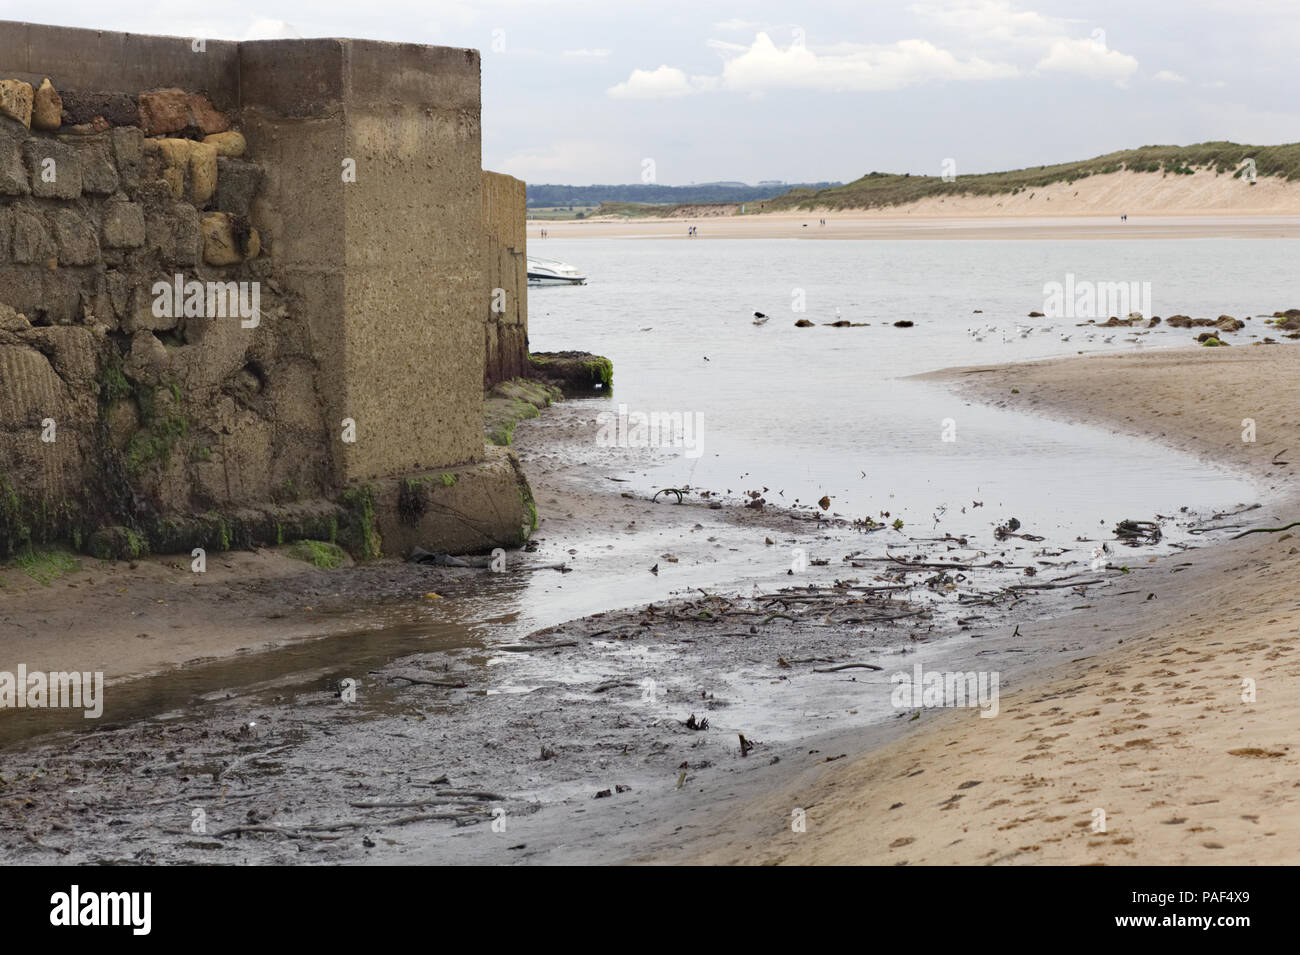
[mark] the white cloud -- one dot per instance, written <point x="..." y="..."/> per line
<point x="989" y="19"/>
<point x="763" y="66"/>
<point x="1086" y="57"/>
<point x="1169" y="76"/>
<point x="565" y="158"/>
<point x="264" y="28"/>
<point x="663" y="83"/>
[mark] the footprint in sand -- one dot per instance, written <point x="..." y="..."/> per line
<point x="1255" y="751"/>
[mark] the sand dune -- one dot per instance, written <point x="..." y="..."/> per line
<point x="1133" y="193"/>
<point x="1201" y="205"/>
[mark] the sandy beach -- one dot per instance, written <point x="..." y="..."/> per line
<point x="893" y="225"/>
<point x="1160" y="738"/>
<point x="1201" y="205"/>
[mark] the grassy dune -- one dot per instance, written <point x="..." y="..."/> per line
<point x="879" y="189"/>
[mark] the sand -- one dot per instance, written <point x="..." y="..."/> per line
<point x="1155" y="732"/>
<point x="1202" y="205"/>
<point x="862" y="225"/>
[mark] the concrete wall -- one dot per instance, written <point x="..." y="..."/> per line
<point x="388" y="263"/>
<point x="505" y="330"/>
<point x="373" y="290"/>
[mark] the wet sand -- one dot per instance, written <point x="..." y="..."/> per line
<point x="1156" y="737"/>
<point x="556" y="738"/>
<point x="888" y="224"/>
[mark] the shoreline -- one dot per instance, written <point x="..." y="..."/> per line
<point x="586" y="672"/>
<point x="861" y="225"/>
<point x="1118" y="730"/>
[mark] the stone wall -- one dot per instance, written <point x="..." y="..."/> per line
<point x="506" y="257"/>
<point x="337" y="184"/>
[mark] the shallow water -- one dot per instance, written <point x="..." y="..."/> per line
<point x="805" y="411"/>
<point x="813" y="411"/>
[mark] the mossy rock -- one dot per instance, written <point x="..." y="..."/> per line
<point x="573" y="372"/>
<point x="117" y="543"/>
<point x="320" y="554"/>
<point x="46" y="564"/>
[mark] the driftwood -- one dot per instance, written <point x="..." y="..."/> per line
<point x="848" y="666"/>
<point x="530" y="647"/>
<point x="1267" y="530"/>
<point x="411" y="676"/>
<point x="1054" y="585"/>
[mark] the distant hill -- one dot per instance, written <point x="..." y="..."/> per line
<point x="547" y="196"/>
<point x="879" y="189"/>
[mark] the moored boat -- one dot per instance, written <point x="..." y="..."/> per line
<point x="551" y="272"/>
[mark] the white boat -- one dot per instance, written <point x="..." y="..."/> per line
<point x="550" y="272"/>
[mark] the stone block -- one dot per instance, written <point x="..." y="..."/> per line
<point x="118" y="109"/>
<point x="53" y="169"/>
<point x="32" y="243"/>
<point x="13" y="174"/>
<point x="75" y="235"/>
<point x="123" y="225"/>
<point x="237" y="184"/>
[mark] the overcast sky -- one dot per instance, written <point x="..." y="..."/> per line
<point x="584" y="91"/>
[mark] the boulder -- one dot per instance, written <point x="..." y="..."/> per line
<point x="164" y="111"/>
<point x="47" y="107"/>
<point x="231" y="144"/>
<point x="16" y="98"/>
<point x="205" y="116"/>
<point x="173" y="110"/>
<point x="186" y="162"/>
<point x="228" y="240"/>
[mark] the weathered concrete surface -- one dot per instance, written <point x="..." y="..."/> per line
<point x="465" y="510"/>
<point x="102" y="61"/>
<point x="390" y="262"/>
<point x="506" y="258"/>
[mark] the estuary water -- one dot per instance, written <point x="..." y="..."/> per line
<point x="807" y="412"/>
